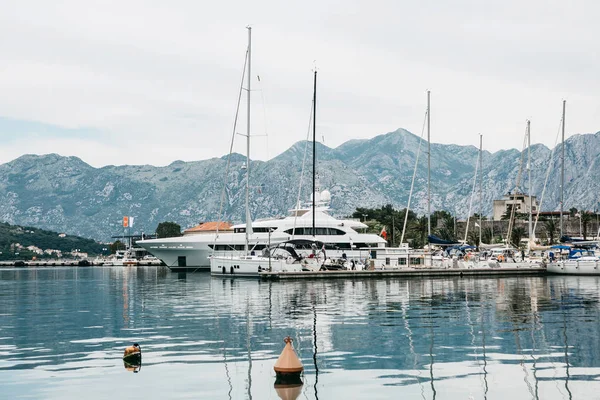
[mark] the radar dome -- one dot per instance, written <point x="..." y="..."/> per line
<point x="325" y="196"/>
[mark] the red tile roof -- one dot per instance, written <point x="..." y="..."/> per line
<point x="210" y="227"/>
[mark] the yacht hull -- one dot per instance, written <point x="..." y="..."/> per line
<point x="249" y="266"/>
<point x="575" y="267"/>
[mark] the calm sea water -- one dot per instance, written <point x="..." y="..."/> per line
<point x="63" y="331"/>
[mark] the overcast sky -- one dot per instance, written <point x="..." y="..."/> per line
<point x="151" y="82"/>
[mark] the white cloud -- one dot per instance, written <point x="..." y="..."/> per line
<point x="163" y="77"/>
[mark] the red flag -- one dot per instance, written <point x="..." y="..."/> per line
<point x="383" y="233"/>
<point x="125" y="222"/>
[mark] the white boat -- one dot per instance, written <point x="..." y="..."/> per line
<point x="581" y="261"/>
<point x="290" y="256"/>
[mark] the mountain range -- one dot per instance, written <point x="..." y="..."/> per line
<point x="67" y="195"/>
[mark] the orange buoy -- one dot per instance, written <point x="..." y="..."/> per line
<point x="132" y="351"/>
<point x="288" y="362"/>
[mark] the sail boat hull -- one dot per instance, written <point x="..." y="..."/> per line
<point x="581" y="266"/>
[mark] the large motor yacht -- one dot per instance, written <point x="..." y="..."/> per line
<point x="190" y="253"/>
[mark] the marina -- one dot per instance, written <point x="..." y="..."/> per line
<point x="326" y="200"/>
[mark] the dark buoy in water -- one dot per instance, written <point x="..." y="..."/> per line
<point x="132" y="358"/>
<point x="132" y="353"/>
<point x="288" y="366"/>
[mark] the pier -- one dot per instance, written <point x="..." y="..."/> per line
<point x="403" y="272"/>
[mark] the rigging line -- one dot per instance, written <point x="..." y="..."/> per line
<point x="412" y="185"/>
<point x="264" y="104"/>
<point x="302" y="171"/>
<point x="472" y="196"/>
<point x="237" y="112"/>
<point x="517" y="183"/>
<point x="548" y="173"/>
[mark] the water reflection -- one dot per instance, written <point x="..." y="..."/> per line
<point x="532" y="337"/>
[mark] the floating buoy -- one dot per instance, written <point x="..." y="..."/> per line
<point x="288" y="365"/>
<point x="132" y="352"/>
<point x="132" y="358"/>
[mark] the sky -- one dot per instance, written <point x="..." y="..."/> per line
<point x="152" y="82"/>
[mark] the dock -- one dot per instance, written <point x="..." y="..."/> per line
<point x="69" y="263"/>
<point x="403" y="272"/>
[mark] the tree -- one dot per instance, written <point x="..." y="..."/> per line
<point x="168" y="229"/>
<point x="418" y="230"/>
<point x="486" y="235"/>
<point x="518" y="233"/>
<point x="586" y="218"/>
<point x="117" y="245"/>
<point x="550" y="227"/>
<point x="446" y="228"/>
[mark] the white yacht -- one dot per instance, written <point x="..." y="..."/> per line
<point x="580" y="261"/>
<point x="341" y="236"/>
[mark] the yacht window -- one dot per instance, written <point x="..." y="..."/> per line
<point x="263" y="229"/>
<point x="335" y="231"/>
<point x="322" y="231"/>
<point x="402" y="261"/>
<point x="387" y="261"/>
<point x="297" y="231"/>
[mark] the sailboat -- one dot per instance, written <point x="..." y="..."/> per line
<point x="582" y="258"/>
<point x="281" y="258"/>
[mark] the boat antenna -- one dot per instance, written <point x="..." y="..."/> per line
<point x="562" y="170"/>
<point x="314" y="160"/>
<point x="249" y="81"/>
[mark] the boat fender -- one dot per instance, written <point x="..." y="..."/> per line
<point x="224" y="271"/>
<point x="231" y="270"/>
<point x="259" y="269"/>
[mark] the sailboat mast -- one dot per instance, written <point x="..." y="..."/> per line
<point x="562" y="171"/>
<point x="314" y="168"/>
<point x="480" y="183"/>
<point x="428" y="165"/>
<point x="529" y="178"/>
<point x="249" y="80"/>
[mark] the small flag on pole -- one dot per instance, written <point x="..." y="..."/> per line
<point x="125" y="222"/>
<point x="476" y="224"/>
<point x="131" y="222"/>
